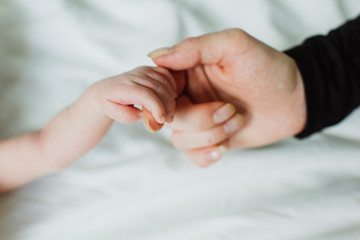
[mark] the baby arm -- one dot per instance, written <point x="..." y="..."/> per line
<point x="81" y="126"/>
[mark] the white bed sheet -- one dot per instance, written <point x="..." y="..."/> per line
<point x="135" y="185"/>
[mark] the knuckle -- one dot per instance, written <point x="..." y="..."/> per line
<point x="189" y="41"/>
<point x="159" y="90"/>
<point x="146" y="92"/>
<point x="155" y="75"/>
<point x="162" y="71"/>
<point x="234" y="32"/>
<point x="144" y="69"/>
<point x="235" y="36"/>
<point x="158" y="78"/>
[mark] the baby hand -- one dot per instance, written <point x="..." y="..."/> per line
<point x="153" y="88"/>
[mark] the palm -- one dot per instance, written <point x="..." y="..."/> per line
<point x="264" y="85"/>
<point x="261" y="83"/>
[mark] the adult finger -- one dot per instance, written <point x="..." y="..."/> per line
<point x="204" y="157"/>
<point x="185" y="140"/>
<point x="213" y="48"/>
<point x="199" y="117"/>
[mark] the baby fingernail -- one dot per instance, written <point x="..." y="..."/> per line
<point x="147" y="125"/>
<point x="224" y="113"/>
<point x="170" y="119"/>
<point x="233" y="124"/>
<point x="159" y="52"/>
<point x="216" y="154"/>
<point x="162" y="119"/>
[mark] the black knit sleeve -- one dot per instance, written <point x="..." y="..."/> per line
<point x="330" y="68"/>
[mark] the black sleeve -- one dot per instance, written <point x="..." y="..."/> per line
<point x="330" y="68"/>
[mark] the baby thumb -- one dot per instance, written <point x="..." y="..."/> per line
<point x="149" y="121"/>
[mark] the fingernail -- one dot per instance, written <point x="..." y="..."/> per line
<point x="234" y="124"/>
<point x="216" y="154"/>
<point x="170" y="119"/>
<point x="141" y="116"/>
<point x="224" y="113"/>
<point x="159" y="52"/>
<point x="162" y="119"/>
<point x="147" y="125"/>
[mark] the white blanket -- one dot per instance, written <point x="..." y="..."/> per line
<point x="135" y="185"/>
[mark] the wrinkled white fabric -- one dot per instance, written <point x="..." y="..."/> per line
<point x="135" y="185"/>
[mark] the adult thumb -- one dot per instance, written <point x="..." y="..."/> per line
<point x="207" y="49"/>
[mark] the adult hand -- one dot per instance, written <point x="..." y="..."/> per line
<point x="231" y="66"/>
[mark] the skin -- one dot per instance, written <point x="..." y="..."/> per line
<point x="231" y="66"/>
<point x="237" y="92"/>
<point x="81" y="126"/>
